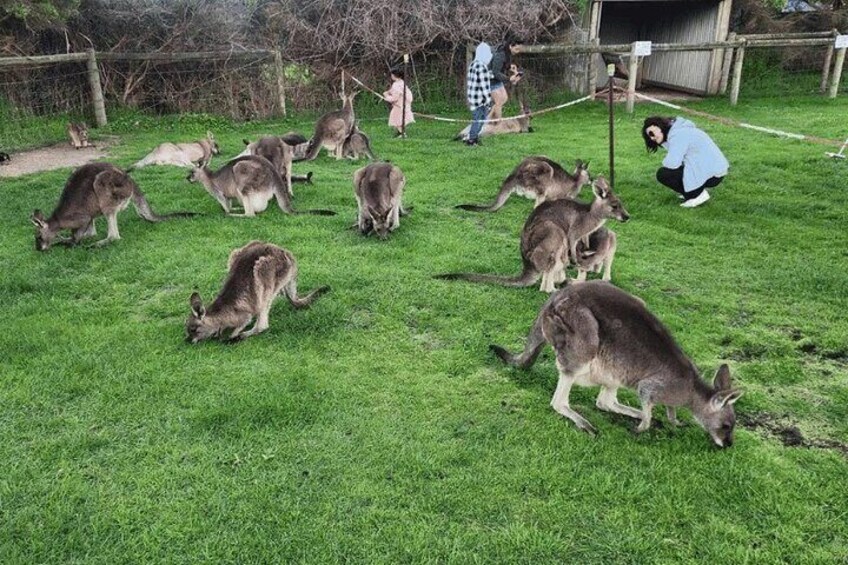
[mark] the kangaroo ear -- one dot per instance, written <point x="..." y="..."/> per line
<point x="37" y="219"/>
<point x="722" y="380"/>
<point x="197" y="305"/>
<point x="209" y="136"/>
<point x="246" y="141"/>
<point x="723" y="398"/>
<point x="589" y="253"/>
<point x="586" y="165"/>
<point x="600" y="188"/>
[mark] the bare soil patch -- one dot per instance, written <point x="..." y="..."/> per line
<point x="786" y="432"/>
<point x="57" y="156"/>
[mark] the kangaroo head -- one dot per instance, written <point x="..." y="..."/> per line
<point x="44" y="236"/>
<point x="716" y="414"/>
<point x="609" y="203"/>
<point x="198" y="325"/>
<point x="381" y="221"/>
<point x="197" y="172"/>
<point x="213" y="145"/>
<point x="581" y="172"/>
<point x="82" y="131"/>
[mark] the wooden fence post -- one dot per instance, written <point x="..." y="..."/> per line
<point x="837" y="73"/>
<point x="725" y="66"/>
<point x="96" y="90"/>
<point x="737" y="73"/>
<point x="632" y="71"/>
<point x="281" y="82"/>
<point x="592" y="84"/>
<point x="828" y="58"/>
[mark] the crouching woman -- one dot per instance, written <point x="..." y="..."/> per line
<point x="694" y="162"/>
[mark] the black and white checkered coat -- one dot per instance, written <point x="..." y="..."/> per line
<point x="479" y="82"/>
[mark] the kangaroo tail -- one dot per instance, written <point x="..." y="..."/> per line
<point x="318" y="212"/>
<point x="506" y="189"/>
<point x="527" y="278"/>
<point x="145" y="211"/>
<point x="306" y="301"/>
<point x="535" y="344"/>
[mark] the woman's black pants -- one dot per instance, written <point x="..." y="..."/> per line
<point x="673" y="178"/>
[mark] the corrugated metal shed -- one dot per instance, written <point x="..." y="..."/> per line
<point x="667" y="21"/>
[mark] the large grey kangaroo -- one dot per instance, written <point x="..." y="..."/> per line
<point x="550" y="236"/>
<point x="95" y="189"/>
<point x="252" y="181"/>
<point x="332" y="129"/>
<point x="540" y="179"/>
<point x="378" y="188"/>
<point x="258" y="272"/>
<point x="604" y="336"/>
<point x="356" y="145"/>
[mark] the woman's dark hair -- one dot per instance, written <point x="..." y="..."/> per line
<point x="398" y="72"/>
<point x="664" y="123"/>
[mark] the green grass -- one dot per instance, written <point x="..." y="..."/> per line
<point x="376" y="427"/>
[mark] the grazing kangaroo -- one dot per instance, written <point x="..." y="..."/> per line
<point x="332" y="129"/>
<point x="550" y="237"/>
<point x="4" y="158"/>
<point x="519" y="124"/>
<point x="276" y="150"/>
<point x="378" y="188"/>
<point x="181" y="154"/>
<point x="604" y="336"/>
<point x="78" y="134"/>
<point x="252" y="181"/>
<point x="95" y="189"/>
<point x="538" y="178"/>
<point x="258" y="272"/>
<point x="357" y="144"/>
<point x="597" y="255"/>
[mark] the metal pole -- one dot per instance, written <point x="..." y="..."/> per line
<point x="610" y="73"/>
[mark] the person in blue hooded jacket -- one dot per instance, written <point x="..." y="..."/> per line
<point x="693" y="163"/>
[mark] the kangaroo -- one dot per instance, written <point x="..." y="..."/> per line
<point x="252" y="181"/>
<point x="332" y="129"/>
<point x="181" y="154"/>
<point x="78" y="134"/>
<point x="550" y="237"/>
<point x="95" y="189"/>
<point x="520" y="124"/>
<point x="258" y="272"/>
<point x="604" y="336"/>
<point x="378" y="188"/>
<point x="598" y="254"/>
<point x="357" y="144"/>
<point x="276" y="150"/>
<point x="538" y="178"/>
<point x="299" y="145"/>
<point x="4" y="158"/>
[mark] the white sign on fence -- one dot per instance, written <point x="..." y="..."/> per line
<point x="841" y="41"/>
<point x="642" y="48"/>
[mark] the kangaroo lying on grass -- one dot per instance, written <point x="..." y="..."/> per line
<point x="520" y="124"/>
<point x="78" y="134"/>
<point x="332" y="129"/>
<point x="550" y="237"/>
<point x="258" y="272"/>
<point x="251" y="180"/>
<point x="604" y="336"/>
<point x="378" y="188"/>
<point x="280" y="153"/>
<point x="597" y="255"/>
<point x="96" y="189"/>
<point x="181" y="154"/>
<point x="356" y="145"/>
<point x="538" y="178"/>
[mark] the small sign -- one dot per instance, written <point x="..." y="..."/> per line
<point x="841" y="41"/>
<point x="642" y="48"/>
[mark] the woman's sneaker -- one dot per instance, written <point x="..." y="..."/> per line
<point x="697" y="201"/>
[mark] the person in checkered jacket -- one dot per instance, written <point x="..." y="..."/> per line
<point x="478" y="93"/>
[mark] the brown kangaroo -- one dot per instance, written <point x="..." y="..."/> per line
<point x="604" y="336"/>
<point x="332" y="129"/>
<point x="258" y="272"/>
<point x="597" y="255"/>
<point x="378" y="188"/>
<point x="95" y="189"/>
<point x="540" y="179"/>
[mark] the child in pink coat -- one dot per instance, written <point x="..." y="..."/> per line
<point x="394" y="96"/>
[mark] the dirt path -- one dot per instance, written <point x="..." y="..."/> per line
<point x="54" y="157"/>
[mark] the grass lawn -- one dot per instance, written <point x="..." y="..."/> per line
<point x="376" y="427"/>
